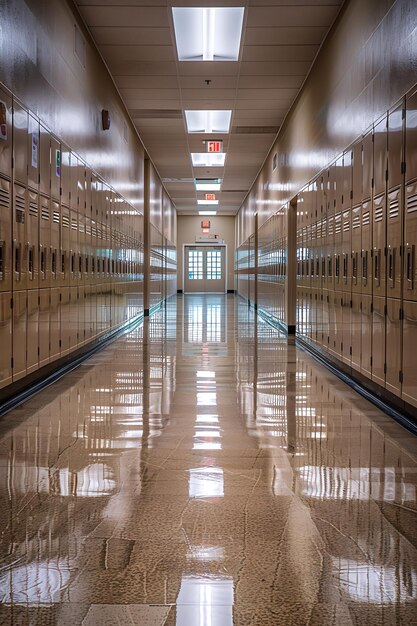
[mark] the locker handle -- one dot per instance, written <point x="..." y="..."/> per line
<point x="53" y="262"/>
<point x="377" y="267"/>
<point x="63" y="263"/>
<point x="391" y="266"/>
<point x="42" y="262"/>
<point x="2" y="251"/>
<point x="337" y="274"/>
<point x="410" y="267"/>
<point x="345" y="268"/>
<point x="364" y="267"/>
<point x="355" y="268"/>
<point x="330" y="266"/>
<point x="30" y="260"/>
<point x="17" y="259"/>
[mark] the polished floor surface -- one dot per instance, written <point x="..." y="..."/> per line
<point x="200" y="471"/>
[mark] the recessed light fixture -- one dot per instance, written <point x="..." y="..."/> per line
<point x="208" y="121"/>
<point x="208" y="34"/>
<point x="208" y="159"/>
<point x="208" y="184"/>
<point x="208" y="202"/>
<point x="207" y="212"/>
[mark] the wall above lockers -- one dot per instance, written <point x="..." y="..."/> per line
<point x="365" y="66"/>
<point x="48" y="60"/>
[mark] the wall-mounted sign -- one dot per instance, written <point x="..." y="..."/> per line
<point x="205" y="224"/>
<point x="214" y="146"/>
<point x="205" y="231"/>
<point x="209" y="196"/>
<point x="58" y="163"/>
<point x="35" y="149"/>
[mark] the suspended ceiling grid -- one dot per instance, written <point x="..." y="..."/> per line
<point x="279" y="42"/>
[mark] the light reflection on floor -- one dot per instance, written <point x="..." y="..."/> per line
<point x="202" y="472"/>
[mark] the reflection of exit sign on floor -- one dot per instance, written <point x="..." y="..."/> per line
<point x="205" y="224"/>
<point x="214" y="146"/>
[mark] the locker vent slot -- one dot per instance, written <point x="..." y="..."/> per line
<point x="346" y="226"/>
<point x="81" y="227"/>
<point x="394" y="209"/>
<point x="94" y="231"/>
<point x="379" y="214"/>
<point x="365" y="219"/>
<point x="33" y="209"/>
<point x="356" y="222"/>
<point x="4" y="198"/>
<point x="338" y="227"/>
<point x="74" y="225"/>
<point x="20" y="210"/>
<point x="412" y="203"/>
<point x="56" y="217"/>
<point x="88" y="229"/>
<point x="45" y="213"/>
<point x="65" y="221"/>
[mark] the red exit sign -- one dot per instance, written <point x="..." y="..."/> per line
<point x="209" y="196"/>
<point x="214" y="146"/>
<point x="205" y="224"/>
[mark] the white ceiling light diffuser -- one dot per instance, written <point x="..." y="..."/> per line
<point x="208" y="34"/>
<point x="207" y="187"/>
<point x="208" y="159"/>
<point x="208" y="202"/>
<point x="207" y="212"/>
<point x="208" y="121"/>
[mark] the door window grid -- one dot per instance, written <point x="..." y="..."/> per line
<point x="214" y="265"/>
<point x="195" y="265"/>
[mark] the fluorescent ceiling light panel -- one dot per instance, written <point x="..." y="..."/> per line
<point x="207" y="186"/>
<point x="208" y="159"/>
<point x="208" y="121"/>
<point x="208" y="202"/>
<point x="207" y="212"/>
<point x="208" y="34"/>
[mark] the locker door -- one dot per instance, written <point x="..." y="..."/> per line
<point x="410" y="243"/>
<point x="393" y="345"/>
<point x="33" y="148"/>
<point x="5" y="338"/>
<point x="32" y="331"/>
<point x="411" y="137"/>
<point x="6" y="121"/>
<point x="5" y="235"/>
<point x="56" y="168"/>
<point x="409" y="386"/>
<point x="65" y="321"/>
<point x="54" y="324"/>
<point x="45" y="242"/>
<point x="45" y="323"/>
<point x="19" y="334"/>
<point x="378" y="340"/>
<point x="366" y="288"/>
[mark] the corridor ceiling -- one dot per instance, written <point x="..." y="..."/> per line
<point x="280" y="40"/>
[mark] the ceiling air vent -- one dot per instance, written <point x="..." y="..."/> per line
<point x="156" y="114"/>
<point x="178" y="180"/>
<point x="255" y="130"/>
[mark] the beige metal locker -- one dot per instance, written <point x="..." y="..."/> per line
<point x="56" y="168"/>
<point x="32" y="331"/>
<point x="65" y="321"/>
<point x="33" y="150"/>
<point x="393" y="345"/>
<point x="19" y="334"/>
<point x="55" y="324"/>
<point x="378" y="340"/>
<point x="409" y="385"/>
<point x="5" y="338"/>
<point x="411" y="136"/>
<point x="5" y="235"/>
<point x="45" y="242"/>
<point x="45" y="319"/>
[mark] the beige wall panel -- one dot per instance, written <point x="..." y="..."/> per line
<point x="189" y="226"/>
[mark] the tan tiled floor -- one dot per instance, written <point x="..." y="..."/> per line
<point x="201" y="472"/>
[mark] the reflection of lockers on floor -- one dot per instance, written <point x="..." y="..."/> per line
<point x="205" y="269"/>
<point x="71" y="248"/>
